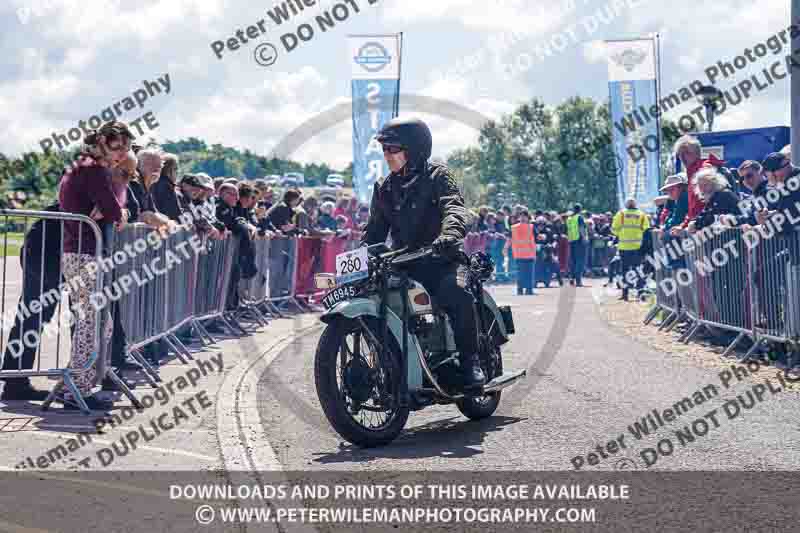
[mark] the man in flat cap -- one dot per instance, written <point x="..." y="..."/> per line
<point x="786" y="178"/>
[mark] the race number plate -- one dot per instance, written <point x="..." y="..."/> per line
<point x="338" y="295"/>
<point x="352" y="266"/>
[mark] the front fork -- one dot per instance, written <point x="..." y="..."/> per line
<point x="484" y="348"/>
<point x="403" y="395"/>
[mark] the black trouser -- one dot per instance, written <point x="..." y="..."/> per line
<point x="577" y="260"/>
<point x="247" y="254"/>
<point x="25" y="335"/>
<point x="232" y="302"/>
<point x="119" y="339"/>
<point x="440" y="280"/>
<point x="631" y="259"/>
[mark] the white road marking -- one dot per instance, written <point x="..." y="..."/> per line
<point x="171" y="451"/>
<point x="15" y="528"/>
<point x="237" y="392"/>
<point x="237" y="395"/>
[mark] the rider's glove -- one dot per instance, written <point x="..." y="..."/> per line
<point x="444" y="243"/>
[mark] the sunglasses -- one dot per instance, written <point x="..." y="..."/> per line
<point x="118" y="147"/>
<point x="392" y="149"/>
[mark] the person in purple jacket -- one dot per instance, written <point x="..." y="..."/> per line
<point x="84" y="187"/>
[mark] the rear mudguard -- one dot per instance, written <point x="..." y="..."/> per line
<point x="359" y="307"/>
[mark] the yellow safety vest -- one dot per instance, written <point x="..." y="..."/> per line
<point x="629" y="225"/>
<point x="523" y="245"/>
<point x="573" y="228"/>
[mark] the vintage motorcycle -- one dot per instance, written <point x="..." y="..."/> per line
<point x="388" y="349"/>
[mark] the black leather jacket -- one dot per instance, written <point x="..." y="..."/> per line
<point x="416" y="208"/>
<point x="723" y="202"/>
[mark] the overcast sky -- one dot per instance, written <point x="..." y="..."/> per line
<point x="65" y="60"/>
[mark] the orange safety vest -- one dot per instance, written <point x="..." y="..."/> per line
<point x="523" y="244"/>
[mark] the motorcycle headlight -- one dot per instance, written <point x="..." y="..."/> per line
<point x="481" y="265"/>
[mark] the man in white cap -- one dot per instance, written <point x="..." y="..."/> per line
<point x="629" y="226"/>
<point x="676" y="187"/>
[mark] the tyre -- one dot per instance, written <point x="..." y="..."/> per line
<point x="478" y="407"/>
<point x="355" y="388"/>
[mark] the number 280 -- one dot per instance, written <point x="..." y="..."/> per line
<point x="351" y="265"/>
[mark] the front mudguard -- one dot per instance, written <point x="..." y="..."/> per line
<point x="489" y="302"/>
<point x="360" y="307"/>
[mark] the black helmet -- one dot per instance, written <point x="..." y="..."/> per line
<point x="410" y="133"/>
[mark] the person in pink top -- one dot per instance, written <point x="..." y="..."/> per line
<point x="86" y="188"/>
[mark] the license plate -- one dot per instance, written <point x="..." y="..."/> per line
<point x="352" y="266"/>
<point x="338" y="295"/>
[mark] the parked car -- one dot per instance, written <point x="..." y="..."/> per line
<point x="335" y="180"/>
<point x="273" y="180"/>
<point x="293" y="179"/>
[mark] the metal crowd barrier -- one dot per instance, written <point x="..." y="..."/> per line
<point x="156" y="304"/>
<point x="719" y="269"/>
<point x="254" y="293"/>
<point x="160" y="285"/>
<point x="750" y="287"/>
<point x="39" y="314"/>
<point x="317" y="255"/>
<point x="599" y="254"/>
<point x="214" y="268"/>
<point x="775" y="290"/>
<point x="667" y="301"/>
<point x="282" y="262"/>
<point x="290" y="275"/>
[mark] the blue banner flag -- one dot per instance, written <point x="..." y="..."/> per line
<point x="375" y="61"/>
<point x="632" y="87"/>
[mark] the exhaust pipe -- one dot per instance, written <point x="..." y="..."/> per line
<point x="504" y="381"/>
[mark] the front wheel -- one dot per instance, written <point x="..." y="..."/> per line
<point x="357" y="389"/>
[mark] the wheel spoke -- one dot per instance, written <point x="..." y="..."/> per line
<point x="357" y="347"/>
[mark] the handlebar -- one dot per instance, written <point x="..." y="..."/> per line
<point x="427" y="251"/>
<point x="401" y="256"/>
<point x="412" y="256"/>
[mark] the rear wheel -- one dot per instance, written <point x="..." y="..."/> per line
<point x="356" y="388"/>
<point x="477" y="407"/>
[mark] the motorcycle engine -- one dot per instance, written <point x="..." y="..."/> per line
<point x="450" y="377"/>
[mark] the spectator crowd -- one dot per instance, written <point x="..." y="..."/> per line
<point x="116" y="183"/>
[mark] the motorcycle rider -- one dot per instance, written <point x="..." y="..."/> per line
<point x="419" y="202"/>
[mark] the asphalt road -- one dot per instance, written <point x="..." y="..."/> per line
<point x="598" y="384"/>
<point x="258" y="422"/>
<point x="586" y="384"/>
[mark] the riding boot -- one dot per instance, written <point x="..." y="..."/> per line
<point x="473" y="374"/>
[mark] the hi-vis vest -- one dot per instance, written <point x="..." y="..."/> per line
<point x="573" y="228"/>
<point x="523" y="245"/>
<point x="629" y="226"/>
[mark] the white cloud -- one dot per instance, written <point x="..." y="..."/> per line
<point x="595" y="52"/>
<point x="497" y="15"/>
<point x="74" y="58"/>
